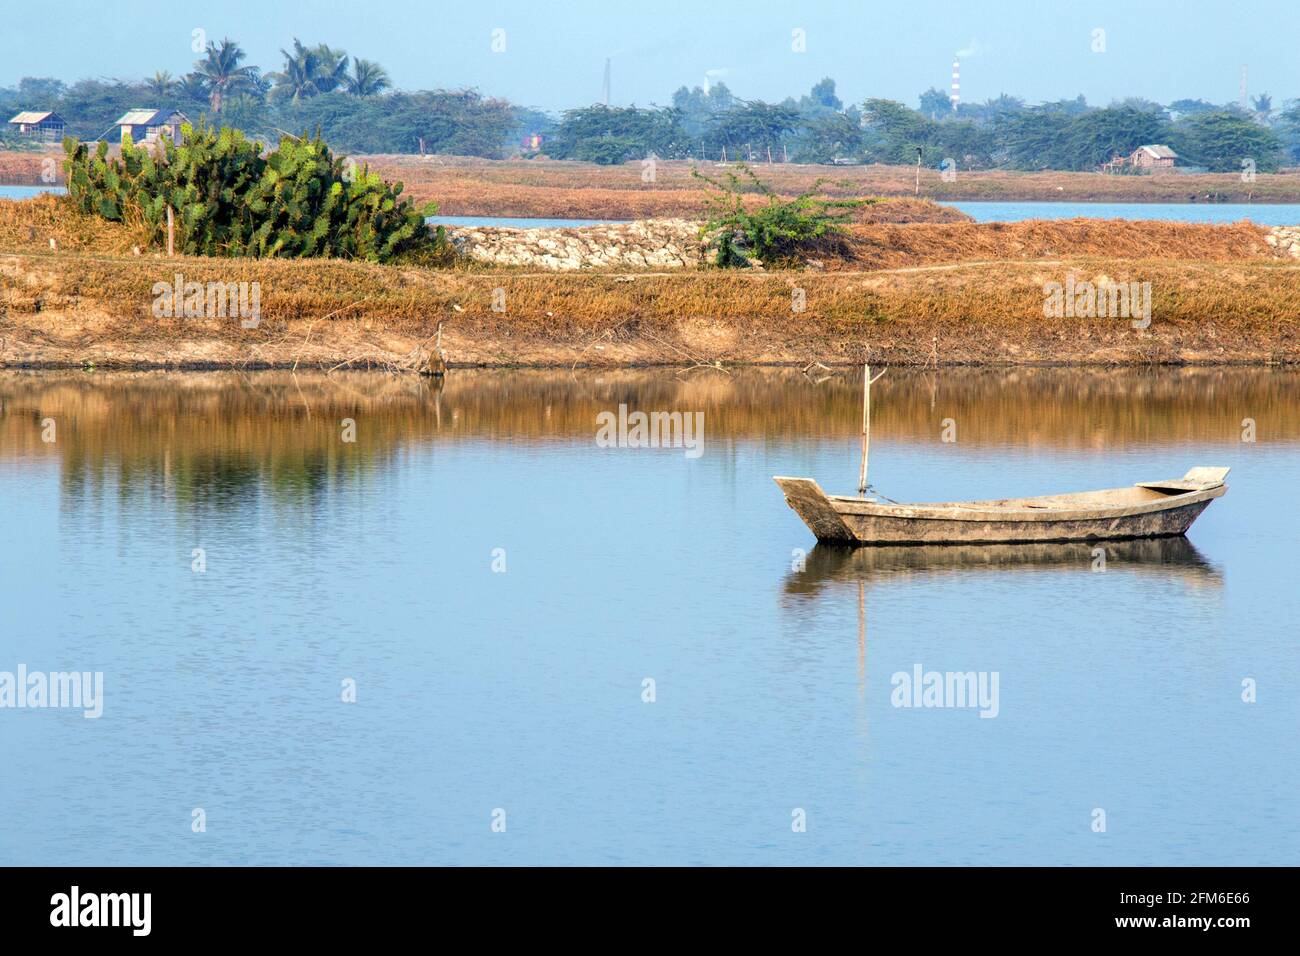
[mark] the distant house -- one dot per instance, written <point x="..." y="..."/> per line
<point x="47" y="127"/>
<point x="1153" y="157"/>
<point x="1144" y="159"/>
<point x="148" y="126"/>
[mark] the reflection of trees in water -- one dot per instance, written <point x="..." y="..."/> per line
<point x="208" y="441"/>
<point x="212" y="436"/>
<point x="206" y="479"/>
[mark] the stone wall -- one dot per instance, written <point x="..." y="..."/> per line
<point x="644" y="244"/>
<point x="1286" y="239"/>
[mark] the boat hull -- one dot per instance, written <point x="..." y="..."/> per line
<point x="888" y="529"/>
<point x="1114" y="514"/>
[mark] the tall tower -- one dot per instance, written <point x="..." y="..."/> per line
<point x="955" y="96"/>
<point x="1244" y="103"/>
<point x="606" y="84"/>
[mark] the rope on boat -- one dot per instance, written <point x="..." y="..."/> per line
<point x="877" y="493"/>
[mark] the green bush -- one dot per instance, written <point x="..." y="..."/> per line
<point x="228" y="199"/>
<point x="606" y="150"/>
<point x="778" y="231"/>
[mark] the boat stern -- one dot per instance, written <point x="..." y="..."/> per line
<point x="1196" y="479"/>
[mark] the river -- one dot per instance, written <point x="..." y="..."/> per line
<point x="373" y="651"/>
<point x="1264" y="214"/>
<point x="1279" y="214"/>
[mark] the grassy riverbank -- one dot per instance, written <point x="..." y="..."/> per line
<point x="468" y="186"/>
<point x="76" y="309"/>
<point x="478" y="187"/>
<point x="905" y="294"/>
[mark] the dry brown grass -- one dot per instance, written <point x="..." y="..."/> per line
<point x="24" y="168"/>
<point x="904" y="209"/>
<point x="565" y="190"/>
<point x="914" y="294"/>
<point x="478" y="187"/>
<point x="31" y="223"/>
<point x="457" y="196"/>
<point x="921" y="244"/>
<point x="467" y="186"/>
<point x="77" y="307"/>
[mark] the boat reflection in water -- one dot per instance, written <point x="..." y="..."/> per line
<point x="829" y="564"/>
<point x="845" y="567"/>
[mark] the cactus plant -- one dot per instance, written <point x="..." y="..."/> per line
<point x="229" y="199"/>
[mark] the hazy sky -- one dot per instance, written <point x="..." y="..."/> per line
<point x="555" y="51"/>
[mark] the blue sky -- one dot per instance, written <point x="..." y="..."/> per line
<point x="554" y="52"/>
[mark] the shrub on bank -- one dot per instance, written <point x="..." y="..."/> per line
<point x="776" y="232"/>
<point x="228" y="199"/>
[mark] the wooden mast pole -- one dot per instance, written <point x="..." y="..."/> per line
<point x="866" y="426"/>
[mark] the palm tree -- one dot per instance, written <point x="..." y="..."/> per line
<point x="192" y="86"/>
<point x="160" y="84"/>
<point x="309" y="71"/>
<point x="368" y="78"/>
<point x="221" y="73"/>
<point x="333" y="68"/>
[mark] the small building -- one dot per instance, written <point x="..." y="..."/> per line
<point x="148" y="126"/>
<point x="46" y="127"/>
<point x="1153" y="157"/>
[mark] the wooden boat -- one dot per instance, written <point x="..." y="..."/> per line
<point x="1148" y="509"/>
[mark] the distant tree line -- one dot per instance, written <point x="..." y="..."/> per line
<point x="1007" y="133"/>
<point x="352" y="102"/>
<point x="1003" y="133"/>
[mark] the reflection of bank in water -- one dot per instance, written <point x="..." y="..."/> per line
<point x="830" y="565"/>
<point x="1024" y="408"/>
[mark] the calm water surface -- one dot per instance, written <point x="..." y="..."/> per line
<point x="1281" y="214"/>
<point x="1267" y="215"/>
<point x="523" y="690"/>
<point x="516" y="222"/>
<point x="27" y="192"/>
